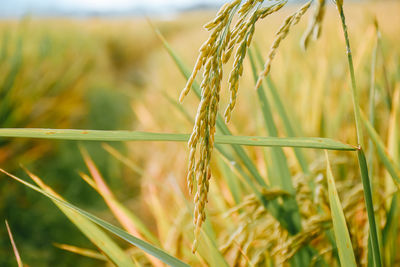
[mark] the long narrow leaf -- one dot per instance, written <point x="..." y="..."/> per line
<point x="390" y="166"/>
<point x="99" y="135"/>
<point x="391" y="229"/>
<point x="344" y="246"/>
<point x="373" y="230"/>
<point x="82" y="251"/>
<point x="160" y="254"/>
<point x="128" y="220"/>
<point x="99" y="238"/>
<point x="14" y="246"/>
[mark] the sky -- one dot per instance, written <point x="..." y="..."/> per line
<point x="70" y="7"/>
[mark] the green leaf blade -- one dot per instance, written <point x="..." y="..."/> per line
<point x="343" y="241"/>
<point x="152" y="250"/>
<point x="101" y="135"/>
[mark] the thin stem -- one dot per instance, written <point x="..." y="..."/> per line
<point x="356" y="105"/>
<point x="370" y="207"/>
<point x="361" y="157"/>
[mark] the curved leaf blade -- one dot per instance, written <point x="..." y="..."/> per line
<point x="344" y="246"/>
<point x="100" y="135"/>
<point x="14" y="246"/>
<point x="156" y="252"/>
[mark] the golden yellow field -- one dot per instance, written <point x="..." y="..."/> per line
<point x="115" y="74"/>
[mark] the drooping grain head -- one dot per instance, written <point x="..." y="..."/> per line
<point x="244" y="31"/>
<point x="314" y="26"/>
<point x="215" y="52"/>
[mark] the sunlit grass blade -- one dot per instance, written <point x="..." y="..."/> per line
<point x="343" y="241"/>
<point x="160" y="254"/>
<point x="100" y="239"/>
<point x="390" y="166"/>
<point x="99" y="135"/>
<point x="129" y="221"/>
<point x="14" y="246"/>
<point x="391" y="230"/>
<point x="82" y="251"/>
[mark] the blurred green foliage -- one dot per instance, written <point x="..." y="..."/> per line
<point x="58" y="75"/>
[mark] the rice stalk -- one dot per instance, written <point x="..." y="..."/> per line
<point x="213" y="54"/>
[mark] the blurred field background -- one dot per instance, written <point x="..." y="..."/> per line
<point x="114" y="73"/>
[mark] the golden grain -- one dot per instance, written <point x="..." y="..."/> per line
<point x="314" y="27"/>
<point x="243" y="34"/>
<point x="280" y="35"/>
<point x="215" y="52"/>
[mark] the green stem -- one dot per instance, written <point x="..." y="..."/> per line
<point x="370" y="207"/>
<point x="361" y="157"/>
<point x="356" y="105"/>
